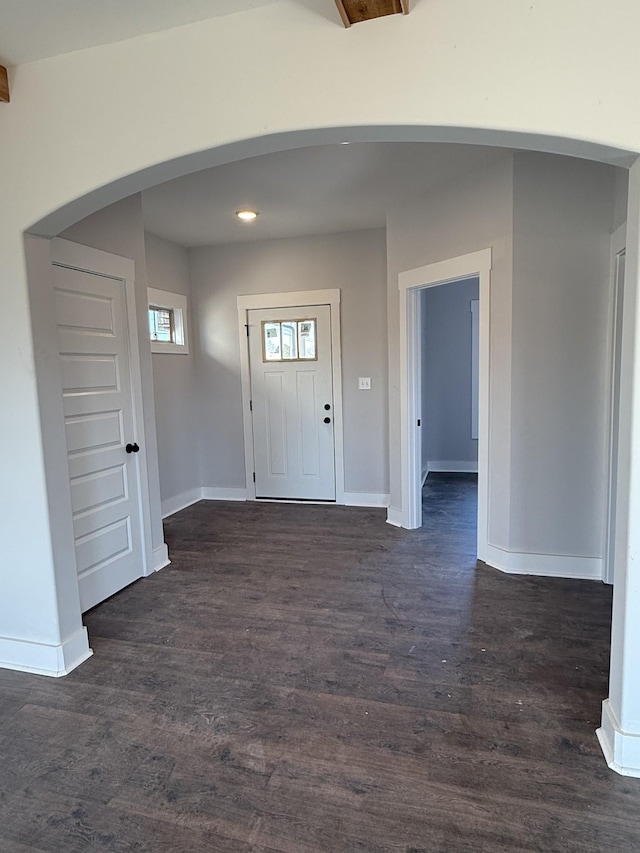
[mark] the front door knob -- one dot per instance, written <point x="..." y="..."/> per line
<point x="327" y="420"/>
<point x="132" y="448"/>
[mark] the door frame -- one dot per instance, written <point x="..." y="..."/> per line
<point x="410" y="284"/>
<point x="65" y="253"/>
<point x="616" y="308"/>
<point x="293" y="299"/>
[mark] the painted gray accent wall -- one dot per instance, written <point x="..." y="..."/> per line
<point x="563" y="218"/>
<point x="446" y="373"/>
<point x="119" y="229"/>
<point x="174" y="379"/>
<point x="548" y="220"/>
<point x="355" y="263"/>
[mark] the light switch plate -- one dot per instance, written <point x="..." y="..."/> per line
<point x="364" y="383"/>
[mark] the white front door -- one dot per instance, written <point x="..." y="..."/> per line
<point x="292" y="402"/>
<point x="93" y="339"/>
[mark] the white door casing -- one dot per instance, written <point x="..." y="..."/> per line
<point x="292" y="407"/>
<point x="616" y="305"/>
<point x="410" y="283"/>
<point x="95" y="319"/>
<point x="301" y="300"/>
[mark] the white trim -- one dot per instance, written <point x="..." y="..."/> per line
<point x="293" y="299"/>
<point x="395" y="517"/>
<point x="139" y="428"/>
<point x="177" y="302"/>
<point x="371" y="499"/>
<point x="450" y="466"/>
<point x="475" y="366"/>
<point x="43" y="659"/>
<point x="544" y="565"/>
<point x="182" y="501"/>
<point x="66" y="253"/>
<point x="218" y="493"/>
<point x="410" y="283"/>
<point x="621" y="749"/>
<point x="160" y="557"/>
<point x="206" y="493"/>
<point x="614" y="341"/>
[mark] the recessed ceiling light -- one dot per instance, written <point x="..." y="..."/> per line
<point x="247" y="215"/>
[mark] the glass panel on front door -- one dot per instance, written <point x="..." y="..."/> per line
<point x="289" y="340"/>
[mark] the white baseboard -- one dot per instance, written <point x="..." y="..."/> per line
<point x="425" y="474"/>
<point x="206" y="493"/>
<point x="160" y="558"/>
<point x="215" y="493"/>
<point x="182" y="501"/>
<point x="43" y="659"/>
<point x="621" y="750"/>
<point x="371" y="499"/>
<point x="544" y="565"/>
<point x="451" y="466"/>
<point x="394" y="517"/>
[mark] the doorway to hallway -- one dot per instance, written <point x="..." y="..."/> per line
<point x="476" y="265"/>
<point x="449" y="377"/>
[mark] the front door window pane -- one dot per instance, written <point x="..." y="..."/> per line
<point x="307" y="337"/>
<point x="272" y="342"/>
<point x="289" y="340"/>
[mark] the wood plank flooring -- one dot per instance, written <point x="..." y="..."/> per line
<point x="308" y="678"/>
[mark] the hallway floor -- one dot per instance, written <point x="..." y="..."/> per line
<point x="309" y="678"/>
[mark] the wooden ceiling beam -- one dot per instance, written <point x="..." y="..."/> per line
<point x="4" y="85"/>
<point x="355" y="11"/>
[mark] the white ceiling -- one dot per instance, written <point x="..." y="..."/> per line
<point x="319" y="190"/>
<point x="36" y="29"/>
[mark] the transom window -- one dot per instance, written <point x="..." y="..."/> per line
<point x="289" y="340"/>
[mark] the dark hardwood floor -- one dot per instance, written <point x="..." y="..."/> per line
<point x="309" y="678"/>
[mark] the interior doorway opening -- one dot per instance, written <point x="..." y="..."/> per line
<point x="449" y="408"/>
<point x="412" y="284"/>
<point x="449" y="377"/>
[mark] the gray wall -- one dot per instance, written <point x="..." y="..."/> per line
<point x="119" y="229"/>
<point x="355" y="263"/>
<point x="467" y="215"/>
<point x="563" y="217"/>
<point x="621" y="198"/>
<point x="446" y="375"/>
<point x="548" y="221"/>
<point x="174" y="379"/>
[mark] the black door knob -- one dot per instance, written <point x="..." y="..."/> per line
<point x="327" y="420"/>
<point x="132" y="448"/>
<point x="327" y="407"/>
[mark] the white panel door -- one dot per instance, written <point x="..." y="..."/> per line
<point x="93" y="339"/>
<point x="292" y="402"/>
